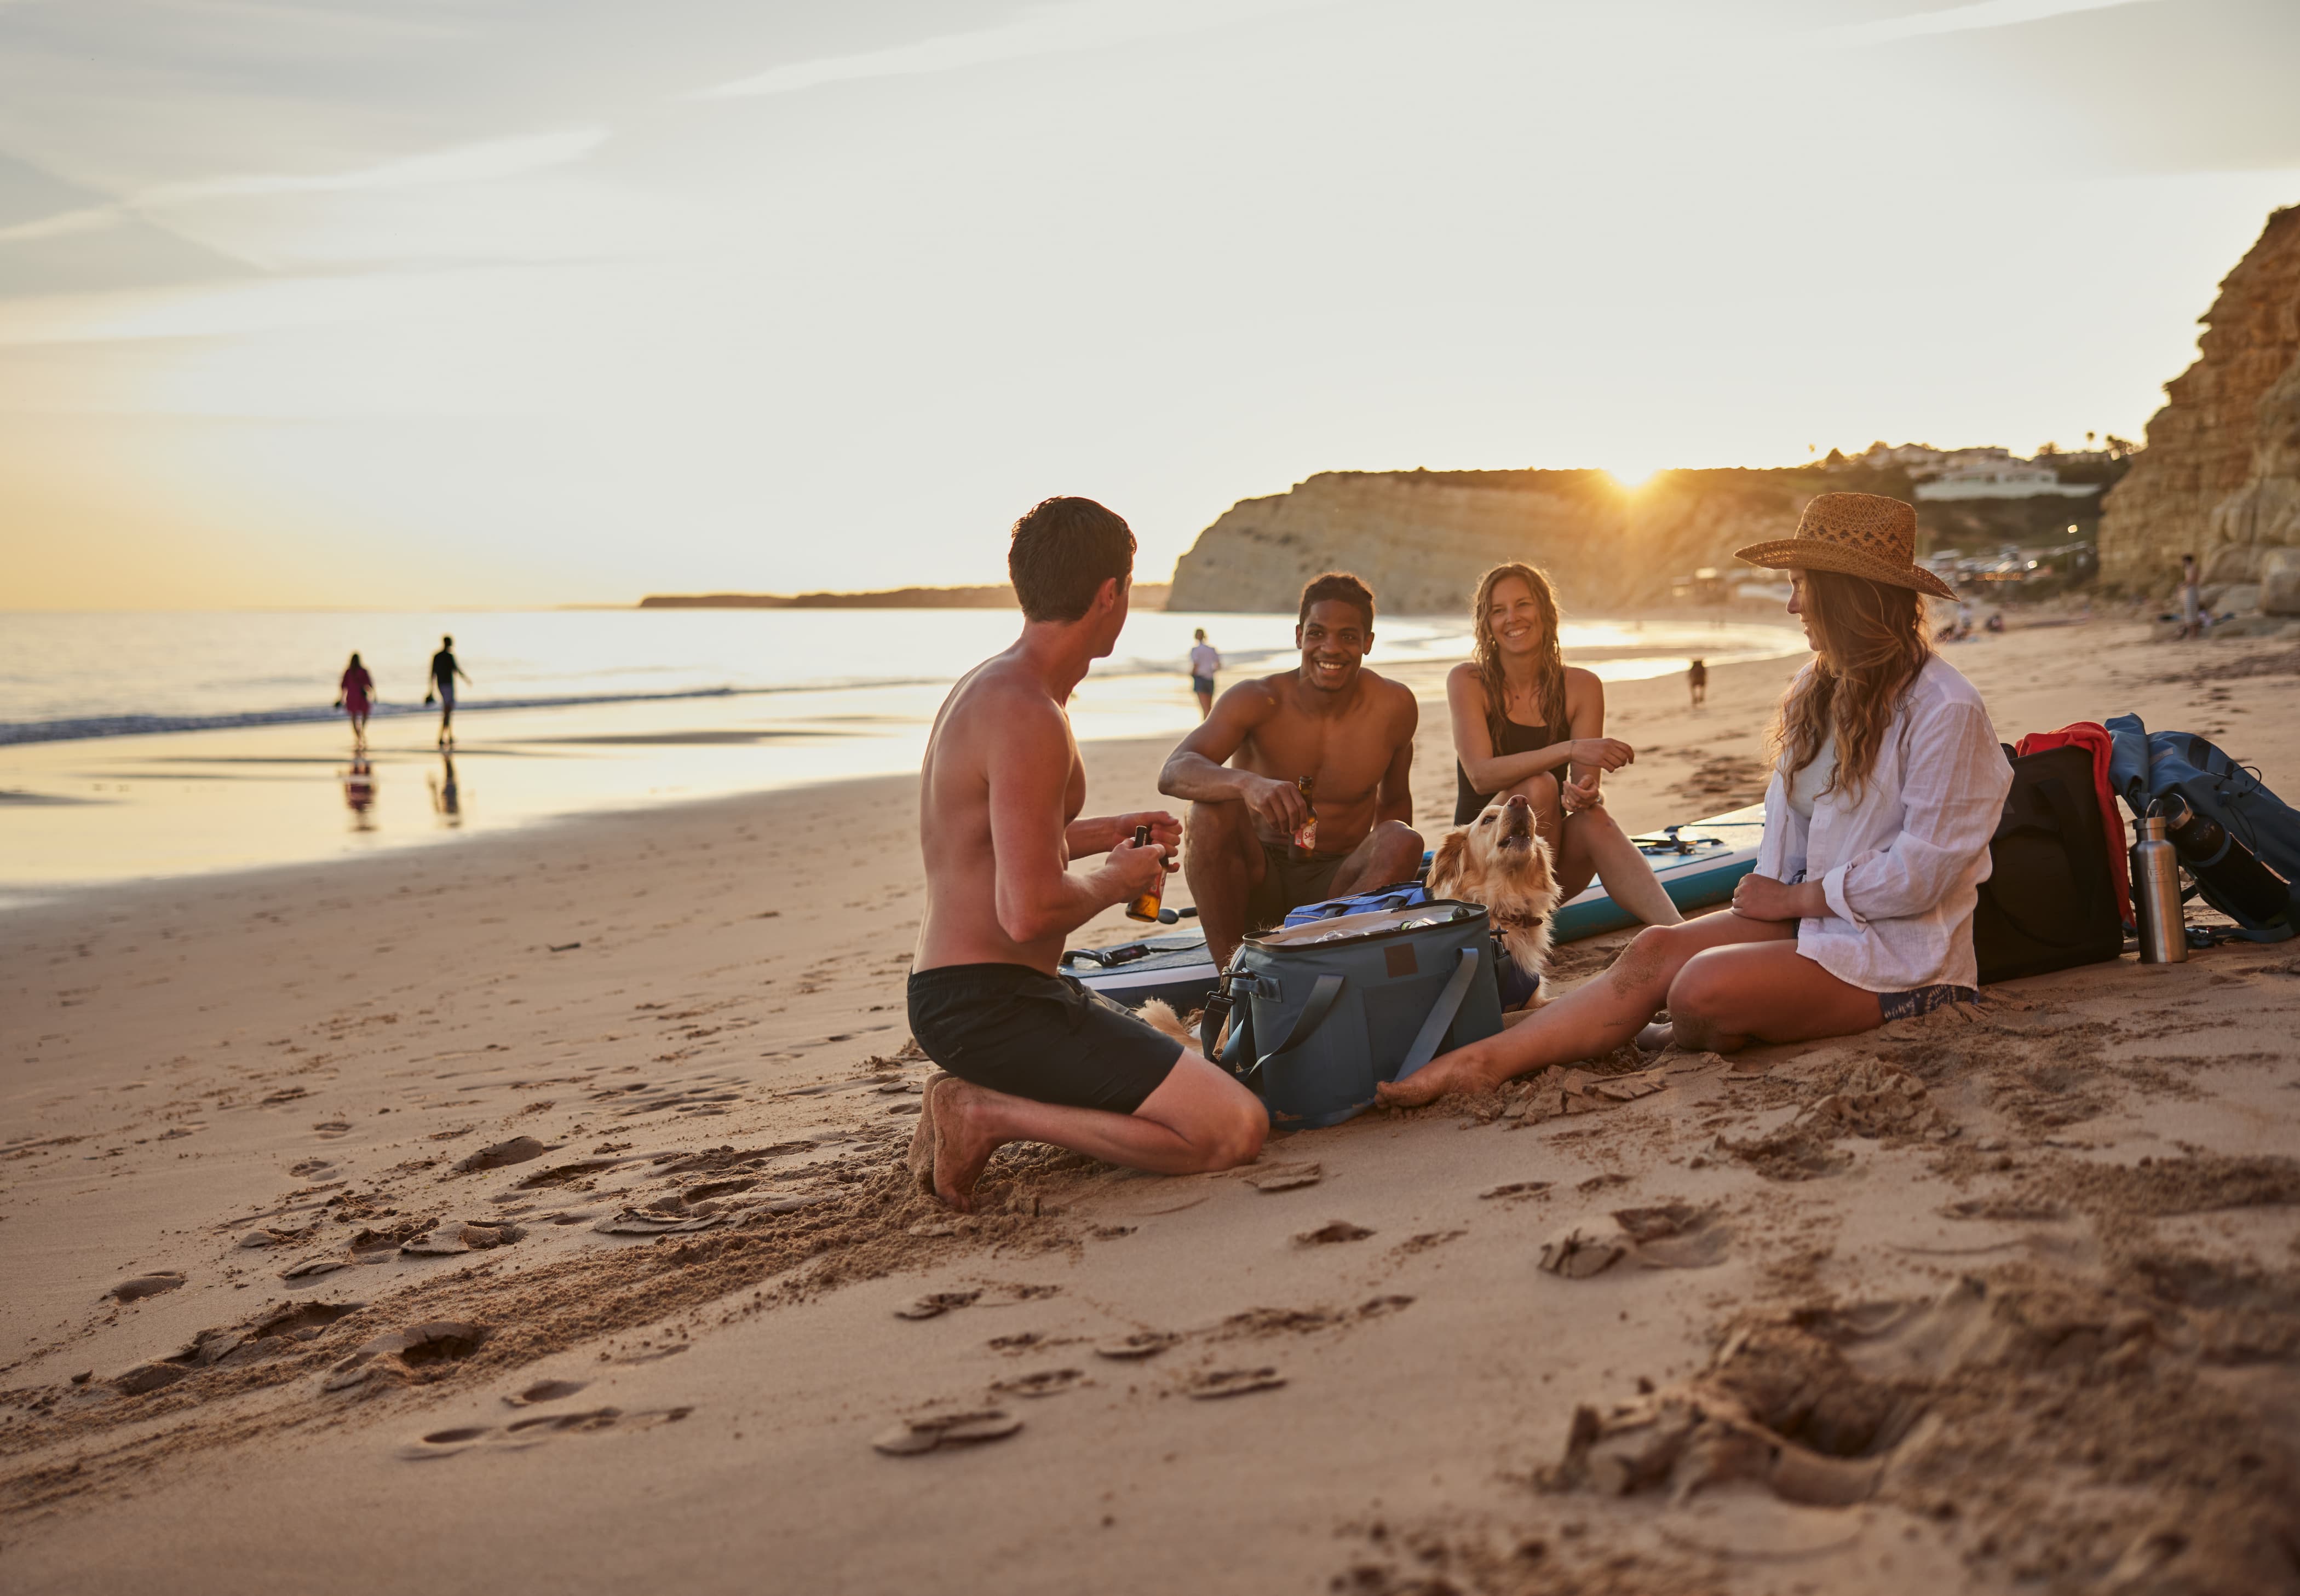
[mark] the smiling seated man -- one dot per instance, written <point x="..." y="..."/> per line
<point x="1330" y="719"/>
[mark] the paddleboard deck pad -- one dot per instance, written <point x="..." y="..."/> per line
<point x="1698" y="864"/>
<point x="1176" y="968"/>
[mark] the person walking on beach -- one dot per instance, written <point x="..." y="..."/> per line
<point x="1887" y="783"/>
<point x="444" y="672"/>
<point x="1299" y="783"/>
<point x="1525" y="723"/>
<point x="2192" y="608"/>
<point x="1203" y="663"/>
<point x="354" y="694"/>
<point x="1031" y="1054"/>
<point x="1697" y="679"/>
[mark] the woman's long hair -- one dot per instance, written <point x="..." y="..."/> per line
<point x="1548" y="666"/>
<point x="354" y="665"/>
<point x="1872" y="641"/>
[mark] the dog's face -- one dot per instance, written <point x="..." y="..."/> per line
<point x="1499" y="859"/>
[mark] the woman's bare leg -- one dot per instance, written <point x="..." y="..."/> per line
<point x="1764" y="992"/>
<point x="1595" y="1017"/>
<point x="1199" y="1118"/>
<point x="1595" y="844"/>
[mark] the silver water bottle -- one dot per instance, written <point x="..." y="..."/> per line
<point x="2156" y="893"/>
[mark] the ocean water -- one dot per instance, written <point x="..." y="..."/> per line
<point x="155" y="745"/>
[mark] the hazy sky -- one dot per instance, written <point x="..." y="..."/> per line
<point x="469" y="301"/>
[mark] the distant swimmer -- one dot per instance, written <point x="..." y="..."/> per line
<point x="444" y="672"/>
<point x="1203" y="663"/>
<point x="1697" y="680"/>
<point x="354" y="694"/>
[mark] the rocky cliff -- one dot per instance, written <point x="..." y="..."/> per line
<point x="1421" y="538"/>
<point x="2220" y="476"/>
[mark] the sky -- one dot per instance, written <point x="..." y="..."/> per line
<point x="472" y="303"/>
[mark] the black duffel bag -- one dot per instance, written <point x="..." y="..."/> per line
<point x="2048" y="903"/>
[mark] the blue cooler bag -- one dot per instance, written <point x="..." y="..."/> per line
<point x="1324" y="1011"/>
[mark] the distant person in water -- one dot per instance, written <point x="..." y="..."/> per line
<point x="1527" y="723"/>
<point x="1203" y="663"/>
<point x="1697" y="680"/>
<point x="354" y="694"/>
<point x="444" y="672"/>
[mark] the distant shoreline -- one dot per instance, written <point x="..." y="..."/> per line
<point x="1147" y="595"/>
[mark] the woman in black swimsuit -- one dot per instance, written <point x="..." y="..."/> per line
<point x="1525" y="723"/>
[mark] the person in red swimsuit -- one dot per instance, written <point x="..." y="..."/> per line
<point x="354" y="694"/>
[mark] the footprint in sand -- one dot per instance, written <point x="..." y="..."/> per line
<point x="329" y="1130"/>
<point x="1143" y="1343"/>
<point x="916" y="1436"/>
<point x="1213" y="1384"/>
<point x="1339" y="1230"/>
<point x="518" y="1149"/>
<point x="1672" y="1235"/>
<point x="147" y="1286"/>
<point x="1517" y="1188"/>
<point x="418" y="1348"/>
<point x="1286" y="1178"/>
<point x="545" y="1391"/>
<point x="936" y="1304"/>
<point x="1043" y="1383"/>
<point x="522" y="1433"/>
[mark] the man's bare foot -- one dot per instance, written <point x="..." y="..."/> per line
<point x="963" y="1140"/>
<point x="919" y="1161"/>
<point x="1461" y="1070"/>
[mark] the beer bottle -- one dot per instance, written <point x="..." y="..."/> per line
<point x="1144" y="906"/>
<point x="1305" y="835"/>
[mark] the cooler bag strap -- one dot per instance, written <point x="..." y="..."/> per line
<point x="1322" y="998"/>
<point x="1441" y="1016"/>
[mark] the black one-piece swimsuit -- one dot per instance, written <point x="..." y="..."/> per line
<point x="1516" y="738"/>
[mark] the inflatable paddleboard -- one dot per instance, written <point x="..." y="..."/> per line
<point x="1175" y="966"/>
<point x="1698" y="864"/>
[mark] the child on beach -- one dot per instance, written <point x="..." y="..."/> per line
<point x="1696" y="681"/>
<point x="354" y="694"/>
<point x="1204" y="663"/>
<point x="1887" y="784"/>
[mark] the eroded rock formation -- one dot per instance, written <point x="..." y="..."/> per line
<point x="2220" y="477"/>
<point x="1421" y="538"/>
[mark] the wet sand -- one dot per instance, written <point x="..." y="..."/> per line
<point x="530" y="1212"/>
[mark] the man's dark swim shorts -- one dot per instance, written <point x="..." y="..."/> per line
<point x="1288" y="880"/>
<point x="1020" y="1031"/>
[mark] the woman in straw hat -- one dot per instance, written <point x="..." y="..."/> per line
<point x="1887" y="783"/>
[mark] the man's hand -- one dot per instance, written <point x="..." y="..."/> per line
<point x="1134" y="869"/>
<point x="1163" y="829"/>
<point x="1602" y="754"/>
<point x="1583" y="793"/>
<point x="1278" y="805"/>
<point x="1763" y="898"/>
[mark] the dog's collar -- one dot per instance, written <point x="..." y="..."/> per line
<point x="1504" y="925"/>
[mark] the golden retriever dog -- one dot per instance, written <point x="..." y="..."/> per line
<point x="1499" y="861"/>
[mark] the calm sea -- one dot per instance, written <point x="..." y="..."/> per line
<point x="141" y="745"/>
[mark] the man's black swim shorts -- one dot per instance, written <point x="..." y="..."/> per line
<point x="1020" y="1031"/>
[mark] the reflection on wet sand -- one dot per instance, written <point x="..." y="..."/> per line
<point x="359" y="794"/>
<point x="446" y="797"/>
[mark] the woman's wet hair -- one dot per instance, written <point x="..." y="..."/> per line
<point x="1872" y="642"/>
<point x="1064" y="549"/>
<point x="1549" y="661"/>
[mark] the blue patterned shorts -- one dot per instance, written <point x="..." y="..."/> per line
<point x="1924" y="1000"/>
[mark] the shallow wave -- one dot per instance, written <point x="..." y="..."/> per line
<point x="131" y="725"/>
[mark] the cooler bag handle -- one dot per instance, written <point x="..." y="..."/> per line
<point x="1441" y="1016"/>
<point x="1322" y="998"/>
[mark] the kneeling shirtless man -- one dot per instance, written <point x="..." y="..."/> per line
<point x="1037" y="1057"/>
<point x="1330" y="719"/>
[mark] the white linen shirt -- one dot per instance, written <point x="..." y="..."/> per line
<point x="1902" y="865"/>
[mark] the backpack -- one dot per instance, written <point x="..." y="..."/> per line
<point x="2049" y="902"/>
<point x="2094" y="739"/>
<point x="2147" y="765"/>
<point x="1402" y="894"/>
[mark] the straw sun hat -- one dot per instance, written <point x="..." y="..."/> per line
<point x="1859" y="535"/>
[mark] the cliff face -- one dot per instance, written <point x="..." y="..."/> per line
<point x="1420" y="539"/>
<point x="2220" y="477"/>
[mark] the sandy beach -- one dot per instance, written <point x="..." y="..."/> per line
<point x="529" y="1213"/>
